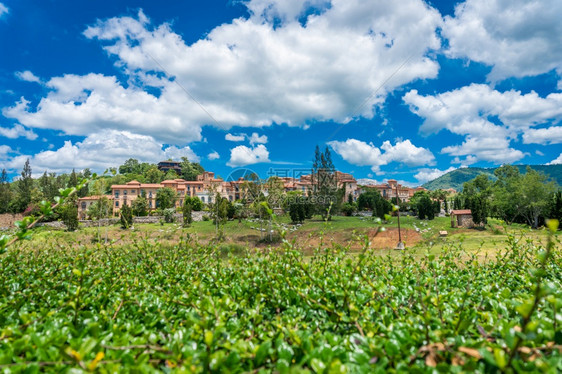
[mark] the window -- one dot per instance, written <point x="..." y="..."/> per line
<point x="133" y="191"/>
<point x="124" y="192"/>
<point x="203" y="198"/>
<point x="150" y="204"/>
<point x="83" y="205"/>
<point x="117" y="203"/>
<point x="181" y="202"/>
<point x="150" y="195"/>
<point x="116" y="194"/>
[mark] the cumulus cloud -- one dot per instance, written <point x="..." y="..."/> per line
<point x="242" y="155"/>
<point x="426" y="175"/>
<point x="3" y="10"/>
<point x="4" y="150"/>
<point x="235" y="138"/>
<point x="102" y="150"/>
<point x="251" y="72"/>
<point x="551" y="135"/>
<point x="257" y="139"/>
<point x="213" y="156"/>
<point x="27" y="76"/>
<point x="82" y="105"/>
<point x="360" y="153"/>
<point x="556" y="161"/>
<point x="488" y="119"/>
<point x="517" y="37"/>
<point x="17" y="131"/>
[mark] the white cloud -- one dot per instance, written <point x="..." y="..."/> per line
<point x="3" y="10"/>
<point x="556" y="161"/>
<point x="256" y="139"/>
<point x="27" y="76"/>
<point x="82" y="105"/>
<point x="213" y="156"/>
<point x="360" y="153"/>
<point x="242" y="155"/>
<point x="284" y="10"/>
<point x="551" y="135"/>
<point x="357" y="152"/>
<point x="17" y="131"/>
<point x="100" y="151"/>
<point x="407" y="153"/>
<point x="488" y="119"/>
<point x="255" y="72"/>
<point x="235" y="138"/>
<point x="516" y="37"/>
<point x="4" y="150"/>
<point x="426" y="175"/>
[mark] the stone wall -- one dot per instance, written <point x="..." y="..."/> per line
<point x="197" y="216"/>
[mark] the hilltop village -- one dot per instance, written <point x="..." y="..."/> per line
<point x="207" y="186"/>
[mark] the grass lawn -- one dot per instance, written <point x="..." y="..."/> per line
<point x="419" y="236"/>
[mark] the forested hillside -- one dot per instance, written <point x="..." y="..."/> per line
<point x="456" y="178"/>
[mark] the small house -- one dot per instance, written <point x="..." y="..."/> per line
<point x="461" y="218"/>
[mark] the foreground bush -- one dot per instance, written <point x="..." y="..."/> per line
<point x="199" y="308"/>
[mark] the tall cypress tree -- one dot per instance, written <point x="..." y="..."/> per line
<point x="5" y="194"/>
<point x="25" y="184"/>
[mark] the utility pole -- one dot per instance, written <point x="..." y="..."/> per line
<point x="400" y="245"/>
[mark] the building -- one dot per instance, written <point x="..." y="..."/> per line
<point x="204" y="188"/>
<point x="462" y="218"/>
<point x="166" y="166"/>
<point x="391" y="188"/>
<point x="85" y="202"/>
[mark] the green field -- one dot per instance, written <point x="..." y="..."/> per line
<point x="162" y="298"/>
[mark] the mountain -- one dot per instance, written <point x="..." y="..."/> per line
<point x="456" y="178"/>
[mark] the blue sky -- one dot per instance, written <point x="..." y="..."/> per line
<point x="405" y="90"/>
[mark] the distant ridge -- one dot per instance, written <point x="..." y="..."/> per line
<point x="456" y="178"/>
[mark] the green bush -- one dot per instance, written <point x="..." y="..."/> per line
<point x="169" y="215"/>
<point x="126" y="216"/>
<point x="69" y="216"/>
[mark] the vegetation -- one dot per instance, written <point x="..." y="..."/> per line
<point x="513" y="197"/>
<point x="456" y="178"/>
<point x="373" y="201"/>
<point x="166" y="198"/>
<point x="126" y="216"/>
<point x="207" y="308"/>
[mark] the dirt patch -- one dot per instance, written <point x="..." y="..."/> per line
<point x="7" y="220"/>
<point x="309" y="240"/>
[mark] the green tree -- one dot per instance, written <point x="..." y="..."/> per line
<point x="190" y="170"/>
<point x="425" y="206"/>
<point x="195" y="202"/>
<point x="69" y="215"/>
<point x="140" y="206"/>
<point x="325" y="185"/>
<point x="5" y="192"/>
<point x="130" y="166"/>
<point x="507" y="202"/>
<point x="186" y="210"/>
<point x="372" y="200"/>
<point x="556" y="207"/>
<point x="153" y="175"/>
<point x="72" y="179"/>
<point x="476" y="195"/>
<point x="166" y="198"/>
<point x="25" y="185"/>
<point x="536" y="194"/>
<point x="126" y="216"/>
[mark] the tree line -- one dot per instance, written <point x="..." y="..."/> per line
<point x="528" y="198"/>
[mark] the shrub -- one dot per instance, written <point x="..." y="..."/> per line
<point x="69" y="216"/>
<point x="169" y="215"/>
<point x="126" y="216"/>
